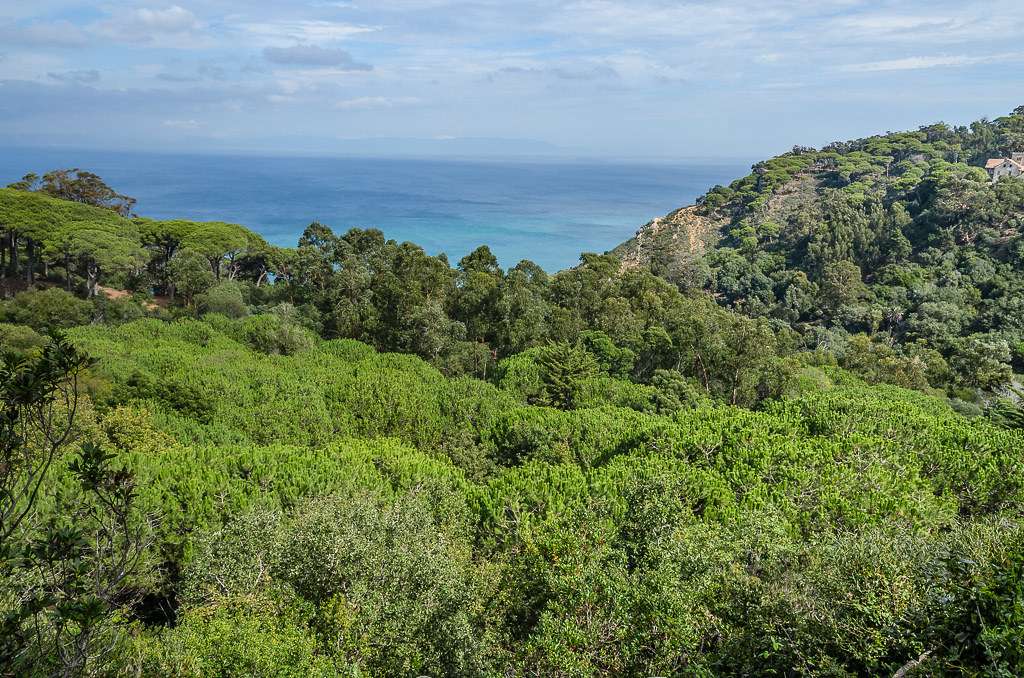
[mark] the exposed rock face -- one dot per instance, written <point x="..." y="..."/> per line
<point x="682" y="234"/>
<point x="668" y="243"/>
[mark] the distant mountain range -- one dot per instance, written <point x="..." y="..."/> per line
<point x="298" y="145"/>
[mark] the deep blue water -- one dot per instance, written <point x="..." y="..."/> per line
<point x="548" y="212"/>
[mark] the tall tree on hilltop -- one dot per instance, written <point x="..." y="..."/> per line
<point x="79" y="186"/>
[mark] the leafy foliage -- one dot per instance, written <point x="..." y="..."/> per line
<point x="797" y="454"/>
<point x="62" y="578"/>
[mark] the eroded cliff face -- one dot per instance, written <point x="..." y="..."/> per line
<point x="682" y="234"/>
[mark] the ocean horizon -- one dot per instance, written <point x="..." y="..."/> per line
<point x="545" y="210"/>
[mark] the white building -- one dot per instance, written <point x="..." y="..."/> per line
<point x="1012" y="166"/>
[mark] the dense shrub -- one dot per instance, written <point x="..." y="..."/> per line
<point x="44" y="309"/>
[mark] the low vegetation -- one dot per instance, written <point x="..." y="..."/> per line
<point x="352" y="459"/>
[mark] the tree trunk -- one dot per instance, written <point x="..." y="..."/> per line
<point x="30" y="262"/>
<point x="14" y="256"/>
<point x="162" y="276"/>
<point x="912" y="664"/>
<point x="704" y="369"/>
<point x="93" y="278"/>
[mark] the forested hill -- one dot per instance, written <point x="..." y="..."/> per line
<point x="901" y="237"/>
<point x="350" y="458"/>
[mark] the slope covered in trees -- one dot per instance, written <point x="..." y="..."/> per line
<point x="897" y="245"/>
<point x="342" y="510"/>
<point x="352" y="458"/>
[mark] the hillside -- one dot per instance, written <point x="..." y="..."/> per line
<point x="342" y="511"/>
<point x="774" y="435"/>
<point x="901" y="237"/>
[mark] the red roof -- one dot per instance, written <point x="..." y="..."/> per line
<point x="996" y="162"/>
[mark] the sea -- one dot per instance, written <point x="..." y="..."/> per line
<point x="544" y="210"/>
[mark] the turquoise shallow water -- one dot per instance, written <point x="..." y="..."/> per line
<point x="548" y="212"/>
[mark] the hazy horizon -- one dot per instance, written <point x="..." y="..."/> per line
<point x="501" y="151"/>
<point x="573" y="78"/>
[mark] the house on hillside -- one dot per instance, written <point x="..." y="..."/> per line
<point x="1012" y="166"/>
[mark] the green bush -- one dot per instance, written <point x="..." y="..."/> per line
<point x="271" y="334"/>
<point x="19" y="338"/>
<point x="44" y="309"/>
<point x="224" y="298"/>
<point x="247" y="637"/>
<point x="392" y="579"/>
<point x="188" y="399"/>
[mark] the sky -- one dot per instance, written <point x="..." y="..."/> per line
<point x="583" y="78"/>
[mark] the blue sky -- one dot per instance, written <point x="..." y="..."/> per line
<point x="605" y="78"/>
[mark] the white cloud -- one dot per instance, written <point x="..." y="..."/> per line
<point x="175" y="77"/>
<point x="160" y="27"/>
<point x="782" y="85"/>
<point x="916" y="62"/>
<point x="301" y="31"/>
<point x="882" y="23"/>
<point x="29" y="65"/>
<point x="592" y="72"/>
<point x="76" y="76"/>
<point x="60" y="33"/>
<point x="595" y="73"/>
<point x="311" y="55"/>
<point x="377" y="102"/>
<point x="174" y="19"/>
<point x="660" y="19"/>
<point x="582" y="72"/>
<point x="184" y="124"/>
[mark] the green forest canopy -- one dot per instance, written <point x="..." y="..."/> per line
<point x="796" y="452"/>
